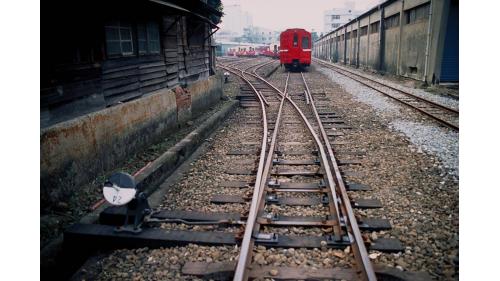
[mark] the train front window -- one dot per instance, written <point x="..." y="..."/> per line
<point x="305" y="42"/>
<point x="295" y="40"/>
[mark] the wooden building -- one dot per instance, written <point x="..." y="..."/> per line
<point x="96" y="54"/>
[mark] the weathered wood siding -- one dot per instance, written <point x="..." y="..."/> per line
<point x="184" y="59"/>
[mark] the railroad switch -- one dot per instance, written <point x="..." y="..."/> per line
<point x="271" y="216"/>
<point x="338" y="242"/>
<point x="324" y="199"/>
<point x="266" y="238"/>
<point x="273" y="183"/>
<point x="322" y="183"/>
<point x="121" y="190"/>
<point x="272" y="198"/>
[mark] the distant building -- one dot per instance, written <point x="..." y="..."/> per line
<point x="226" y="35"/>
<point x="259" y="35"/>
<point x="335" y="18"/>
<point x="235" y="19"/>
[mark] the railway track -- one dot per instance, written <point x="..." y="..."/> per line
<point x="443" y="114"/>
<point x="295" y="190"/>
<point x="319" y="176"/>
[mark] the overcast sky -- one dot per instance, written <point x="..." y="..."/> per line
<point x="282" y="14"/>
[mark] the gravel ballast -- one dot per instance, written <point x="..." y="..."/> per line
<point x="426" y="136"/>
<point x="410" y="163"/>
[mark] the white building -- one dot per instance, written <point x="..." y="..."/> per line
<point x="334" y="18"/>
<point x="235" y="20"/>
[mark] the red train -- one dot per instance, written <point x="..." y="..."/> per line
<point x="295" y="48"/>
<point x="269" y="51"/>
<point x="246" y="51"/>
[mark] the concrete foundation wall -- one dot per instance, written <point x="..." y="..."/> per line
<point x="341" y="51"/>
<point x="390" y="63"/>
<point x="363" y="46"/>
<point x="74" y="152"/>
<point x="413" y="45"/>
<point x="354" y="45"/>
<point x="374" y="52"/>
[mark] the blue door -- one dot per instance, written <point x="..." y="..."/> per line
<point x="449" y="64"/>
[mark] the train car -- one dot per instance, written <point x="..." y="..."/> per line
<point x="246" y="51"/>
<point x="262" y="50"/>
<point x="274" y="50"/>
<point x="241" y="51"/>
<point x="231" y="52"/>
<point x="295" y="48"/>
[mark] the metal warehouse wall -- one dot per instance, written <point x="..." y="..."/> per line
<point x="412" y="38"/>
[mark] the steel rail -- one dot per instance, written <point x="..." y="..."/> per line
<point x="324" y="161"/>
<point x="448" y="124"/>
<point x="247" y="237"/>
<point x="366" y="269"/>
<point x="258" y="66"/>
<point x="392" y="88"/>
<point x="359" y="249"/>
<point x="252" y="227"/>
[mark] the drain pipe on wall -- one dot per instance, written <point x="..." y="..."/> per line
<point x="427" y="48"/>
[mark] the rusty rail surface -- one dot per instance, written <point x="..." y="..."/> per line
<point x="453" y="113"/>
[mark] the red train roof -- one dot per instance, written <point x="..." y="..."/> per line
<point x="295" y="30"/>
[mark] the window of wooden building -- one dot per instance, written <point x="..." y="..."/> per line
<point x="148" y="38"/>
<point x="122" y="39"/>
<point x="418" y="13"/>
<point x="391" y="22"/>
<point x="119" y="39"/>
